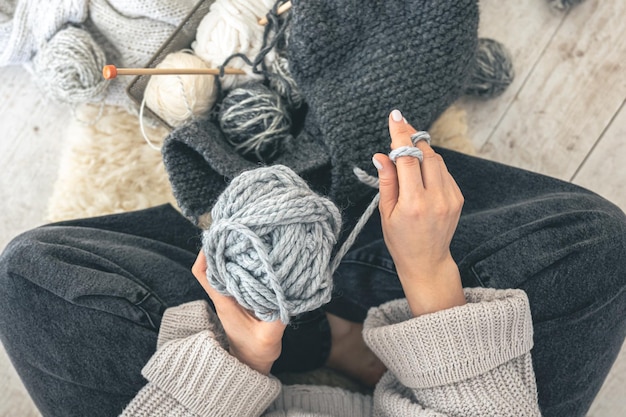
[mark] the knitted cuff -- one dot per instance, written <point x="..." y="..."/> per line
<point x="188" y="319"/>
<point x="207" y="380"/>
<point x="451" y="345"/>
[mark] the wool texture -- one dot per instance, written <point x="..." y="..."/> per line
<point x="179" y="98"/>
<point x="231" y="27"/>
<point x="353" y="63"/>
<point x="270" y="243"/>
<point x="255" y="121"/>
<point x="493" y="70"/>
<point x="129" y="32"/>
<point x="109" y="156"/>
<point x="69" y="66"/>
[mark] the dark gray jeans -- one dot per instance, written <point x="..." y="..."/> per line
<point x="81" y="301"/>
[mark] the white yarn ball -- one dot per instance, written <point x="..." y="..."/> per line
<point x="180" y="98"/>
<point x="230" y="27"/>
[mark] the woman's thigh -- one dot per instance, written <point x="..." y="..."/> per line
<point x="81" y="303"/>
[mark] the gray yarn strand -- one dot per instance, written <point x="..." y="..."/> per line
<point x="68" y="68"/>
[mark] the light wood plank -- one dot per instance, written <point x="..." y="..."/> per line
<point x="30" y="148"/>
<point x="571" y="95"/>
<point x="604" y="171"/>
<point x="525" y="27"/>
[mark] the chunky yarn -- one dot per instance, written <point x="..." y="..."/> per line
<point x="179" y="98"/>
<point x="68" y="68"/>
<point x="231" y="27"/>
<point x="26" y="25"/>
<point x="281" y="81"/>
<point x="255" y="121"/>
<point x="270" y="243"/>
<point x="493" y="70"/>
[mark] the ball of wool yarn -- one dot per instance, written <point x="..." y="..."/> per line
<point x="493" y="70"/>
<point x="231" y="27"/>
<point x="281" y="81"/>
<point x="68" y="67"/>
<point x="255" y="121"/>
<point x="180" y="98"/>
<point x="270" y="243"/>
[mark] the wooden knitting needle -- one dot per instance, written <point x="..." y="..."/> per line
<point x="282" y="9"/>
<point x="111" y="71"/>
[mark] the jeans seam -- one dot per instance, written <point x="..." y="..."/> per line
<point x="145" y="312"/>
<point x="477" y="276"/>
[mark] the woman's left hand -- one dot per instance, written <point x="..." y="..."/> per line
<point x="254" y="342"/>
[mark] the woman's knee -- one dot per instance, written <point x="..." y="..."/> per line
<point x="67" y="264"/>
<point x="20" y="256"/>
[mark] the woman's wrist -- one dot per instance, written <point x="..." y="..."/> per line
<point x="253" y="361"/>
<point x="432" y="288"/>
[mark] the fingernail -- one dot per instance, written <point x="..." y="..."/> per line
<point x="396" y="116"/>
<point x="376" y="163"/>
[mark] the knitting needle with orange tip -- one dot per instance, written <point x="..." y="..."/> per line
<point x="111" y="71"/>
<point x="281" y="9"/>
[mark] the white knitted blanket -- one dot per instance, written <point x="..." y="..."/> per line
<point x="128" y="31"/>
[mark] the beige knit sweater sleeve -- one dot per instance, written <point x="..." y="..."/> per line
<point x="192" y="374"/>
<point x="472" y="360"/>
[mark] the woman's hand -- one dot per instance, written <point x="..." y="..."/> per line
<point x="254" y="342"/>
<point x="420" y="206"/>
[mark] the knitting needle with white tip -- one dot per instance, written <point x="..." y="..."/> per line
<point x="282" y="9"/>
<point x="111" y="71"/>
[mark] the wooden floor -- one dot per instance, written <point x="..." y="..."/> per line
<point x="563" y="116"/>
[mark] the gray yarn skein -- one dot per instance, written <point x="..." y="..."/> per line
<point x="255" y="121"/>
<point x="270" y="243"/>
<point x="493" y="70"/>
<point x="68" y="68"/>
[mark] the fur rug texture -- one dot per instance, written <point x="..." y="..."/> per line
<point x="107" y="167"/>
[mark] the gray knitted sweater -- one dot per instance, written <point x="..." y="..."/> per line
<point x="472" y="360"/>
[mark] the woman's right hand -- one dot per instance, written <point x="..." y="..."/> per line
<point x="254" y="342"/>
<point x="420" y="206"/>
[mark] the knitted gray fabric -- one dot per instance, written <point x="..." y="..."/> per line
<point x="354" y="62"/>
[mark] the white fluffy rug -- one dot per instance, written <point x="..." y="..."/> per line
<point x="107" y="166"/>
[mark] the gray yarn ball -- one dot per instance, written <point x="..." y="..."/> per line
<point x="270" y="243"/>
<point x="493" y="70"/>
<point x="69" y="67"/>
<point x="255" y="121"/>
